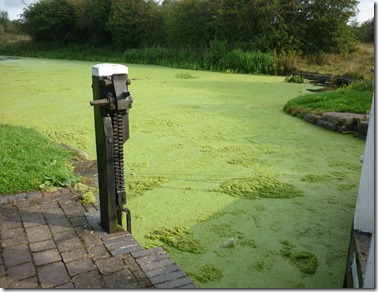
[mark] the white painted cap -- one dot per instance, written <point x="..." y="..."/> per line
<point x="107" y="69"/>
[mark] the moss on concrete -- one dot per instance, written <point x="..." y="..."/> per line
<point x="87" y="194"/>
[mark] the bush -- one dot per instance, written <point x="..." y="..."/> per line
<point x="294" y="78"/>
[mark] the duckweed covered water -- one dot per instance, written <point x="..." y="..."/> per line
<point x="259" y="187"/>
<point x="191" y="136"/>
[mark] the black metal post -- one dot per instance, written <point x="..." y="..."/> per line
<point x="111" y="101"/>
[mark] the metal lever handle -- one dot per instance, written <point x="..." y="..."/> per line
<point x="100" y="102"/>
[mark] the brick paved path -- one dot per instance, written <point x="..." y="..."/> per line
<point x="53" y="241"/>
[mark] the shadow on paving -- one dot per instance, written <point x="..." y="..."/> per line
<point x="48" y="242"/>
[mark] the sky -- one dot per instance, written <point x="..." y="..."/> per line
<point x="15" y="8"/>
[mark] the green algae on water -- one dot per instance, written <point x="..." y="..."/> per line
<point x="206" y="274"/>
<point x="314" y="178"/>
<point x="259" y="187"/>
<point x="248" y="243"/>
<point x="141" y="185"/>
<point x="178" y="237"/>
<point x="305" y="261"/>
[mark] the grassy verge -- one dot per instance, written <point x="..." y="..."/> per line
<point x="340" y="100"/>
<point x="29" y="161"/>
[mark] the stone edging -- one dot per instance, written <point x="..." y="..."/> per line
<point x="340" y="122"/>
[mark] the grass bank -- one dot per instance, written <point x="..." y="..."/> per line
<point x="202" y="147"/>
<point x="29" y="161"/>
<point x="340" y="100"/>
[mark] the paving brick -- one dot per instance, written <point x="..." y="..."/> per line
<point x="42" y="245"/>
<point x="162" y="270"/>
<point x="11" y="218"/>
<point x="12" y="233"/>
<point x="16" y="255"/>
<point x="88" y="280"/>
<point x="73" y="210"/>
<point x="54" y="274"/>
<point x="140" y="276"/>
<point x="29" y="283"/>
<point x="78" y="221"/>
<point x="152" y="258"/>
<point x="126" y="249"/>
<point x="116" y="239"/>
<point x="155" y="265"/>
<point x="80" y="229"/>
<point x="69" y="244"/>
<point x="121" y="279"/>
<point x="20" y="272"/>
<point x="167" y="277"/>
<point x="174" y="283"/>
<point x="59" y="224"/>
<point x="146" y="252"/>
<point x="38" y="233"/>
<point x="74" y="254"/>
<point x="49" y="206"/>
<point x="189" y="286"/>
<point x="21" y="238"/>
<point x="46" y="257"/>
<point x="65" y="235"/>
<point x="65" y="286"/>
<point x="79" y="267"/>
<point x="98" y="250"/>
<point x="130" y="262"/>
<point x="110" y="265"/>
<point x="32" y="218"/>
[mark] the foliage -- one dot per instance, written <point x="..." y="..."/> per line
<point x="340" y="100"/>
<point x="307" y="26"/>
<point x="8" y="26"/>
<point x="49" y="20"/>
<point x="29" y="160"/>
<point x="134" y="23"/>
<point x="365" y="31"/>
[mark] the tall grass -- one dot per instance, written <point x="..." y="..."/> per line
<point x="215" y="58"/>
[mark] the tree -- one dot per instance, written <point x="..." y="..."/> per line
<point x="49" y="20"/>
<point x="4" y="19"/>
<point x="365" y="31"/>
<point x="186" y="23"/>
<point x="134" y="23"/>
<point x="326" y="26"/>
<point x="91" y="18"/>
